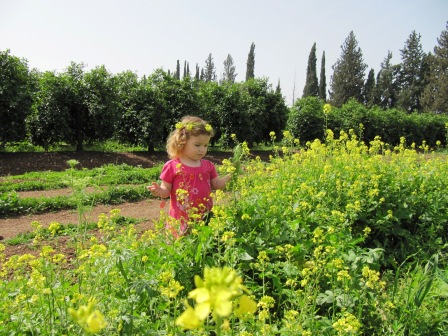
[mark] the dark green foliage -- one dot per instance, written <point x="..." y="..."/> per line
<point x="322" y="79"/>
<point x="306" y="119"/>
<point x="311" y="85"/>
<point x="266" y="111"/>
<point x="390" y="124"/>
<point x="388" y="86"/>
<point x="223" y="107"/>
<point x="140" y="117"/>
<point x="210" y="69"/>
<point x="49" y="123"/>
<point x="411" y="74"/>
<point x="73" y="107"/>
<point x="250" y="69"/>
<point x="348" y="73"/>
<point x="229" y="74"/>
<point x="369" y="89"/>
<point x="15" y="97"/>
<point x="249" y="110"/>
<point x="177" y="74"/>
<point x="435" y="95"/>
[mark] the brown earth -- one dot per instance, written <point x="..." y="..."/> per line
<point x="147" y="210"/>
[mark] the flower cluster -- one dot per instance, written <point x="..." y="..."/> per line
<point x="190" y="125"/>
<point x="215" y="295"/>
<point x="92" y="321"/>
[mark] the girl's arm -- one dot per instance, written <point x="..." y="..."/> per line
<point x="220" y="182"/>
<point x="163" y="190"/>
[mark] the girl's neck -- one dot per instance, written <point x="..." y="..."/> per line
<point x="188" y="162"/>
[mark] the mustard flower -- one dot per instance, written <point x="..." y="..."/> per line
<point x="92" y="321"/>
<point x="208" y="128"/>
<point x="327" y="108"/>
<point x="348" y="324"/>
<point x="172" y="290"/>
<point x="54" y="228"/>
<point x="215" y="294"/>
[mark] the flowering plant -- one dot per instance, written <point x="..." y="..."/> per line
<point x="215" y="294"/>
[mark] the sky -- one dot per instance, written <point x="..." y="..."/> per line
<point x="145" y="35"/>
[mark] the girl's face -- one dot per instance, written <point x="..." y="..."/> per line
<point x="196" y="147"/>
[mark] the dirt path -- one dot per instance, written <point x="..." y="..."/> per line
<point x="148" y="210"/>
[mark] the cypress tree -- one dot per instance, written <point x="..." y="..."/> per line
<point x="348" y="73"/>
<point x="369" y="89"/>
<point x="210" y="70"/>
<point x="177" y="74"/>
<point x="278" y="89"/>
<point x="387" y="83"/>
<point x="250" y="70"/>
<point x="197" y="75"/>
<point x="411" y="74"/>
<point x="311" y="85"/>
<point x="323" y="79"/>
<point x="229" y="74"/>
<point x="435" y="94"/>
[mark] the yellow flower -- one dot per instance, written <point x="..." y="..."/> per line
<point x="188" y="319"/>
<point x="214" y="295"/>
<point x="208" y="128"/>
<point x="327" y="108"/>
<point x="92" y="321"/>
<point x="348" y="324"/>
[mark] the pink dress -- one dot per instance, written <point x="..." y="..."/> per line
<point x="190" y="189"/>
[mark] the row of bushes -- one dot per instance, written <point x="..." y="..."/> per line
<point x="308" y="122"/>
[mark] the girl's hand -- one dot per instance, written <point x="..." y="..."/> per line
<point x="154" y="188"/>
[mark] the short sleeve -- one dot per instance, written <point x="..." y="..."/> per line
<point x="168" y="172"/>
<point x="212" y="169"/>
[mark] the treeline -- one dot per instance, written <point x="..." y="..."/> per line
<point x="419" y="83"/>
<point x="78" y="107"/>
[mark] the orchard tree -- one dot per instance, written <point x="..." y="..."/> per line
<point x="223" y="107"/>
<point x="141" y="117"/>
<point x="322" y="79"/>
<point x="411" y="74"/>
<point x="229" y="74"/>
<point x="177" y="98"/>
<point x="348" y="73"/>
<point x="49" y="123"/>
<point x="250" y="65"/>
<point x="16" y="91"/>
<point x="311" y="85"/>
<point x="101" y="100"/>
<point x="435" y="94"/>
<point x="73" y="107"/>
<point x="266" y="110"/>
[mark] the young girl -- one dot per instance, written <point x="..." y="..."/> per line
<point x="187" y="178"/>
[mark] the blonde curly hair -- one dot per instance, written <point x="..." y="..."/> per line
<point x="188" y="126"/>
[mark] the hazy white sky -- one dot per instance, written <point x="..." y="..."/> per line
<point x="143" y="35"/>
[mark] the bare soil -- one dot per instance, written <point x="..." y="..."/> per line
<point x="148" y="211"/>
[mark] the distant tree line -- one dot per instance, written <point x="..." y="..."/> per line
<point x="79" y="107"/>
<point x="418" y="84"/>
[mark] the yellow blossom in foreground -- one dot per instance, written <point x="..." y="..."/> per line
<point x="92" y="321"/>
<point x="214" y="295"/>
<point x="348" y="324"/>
